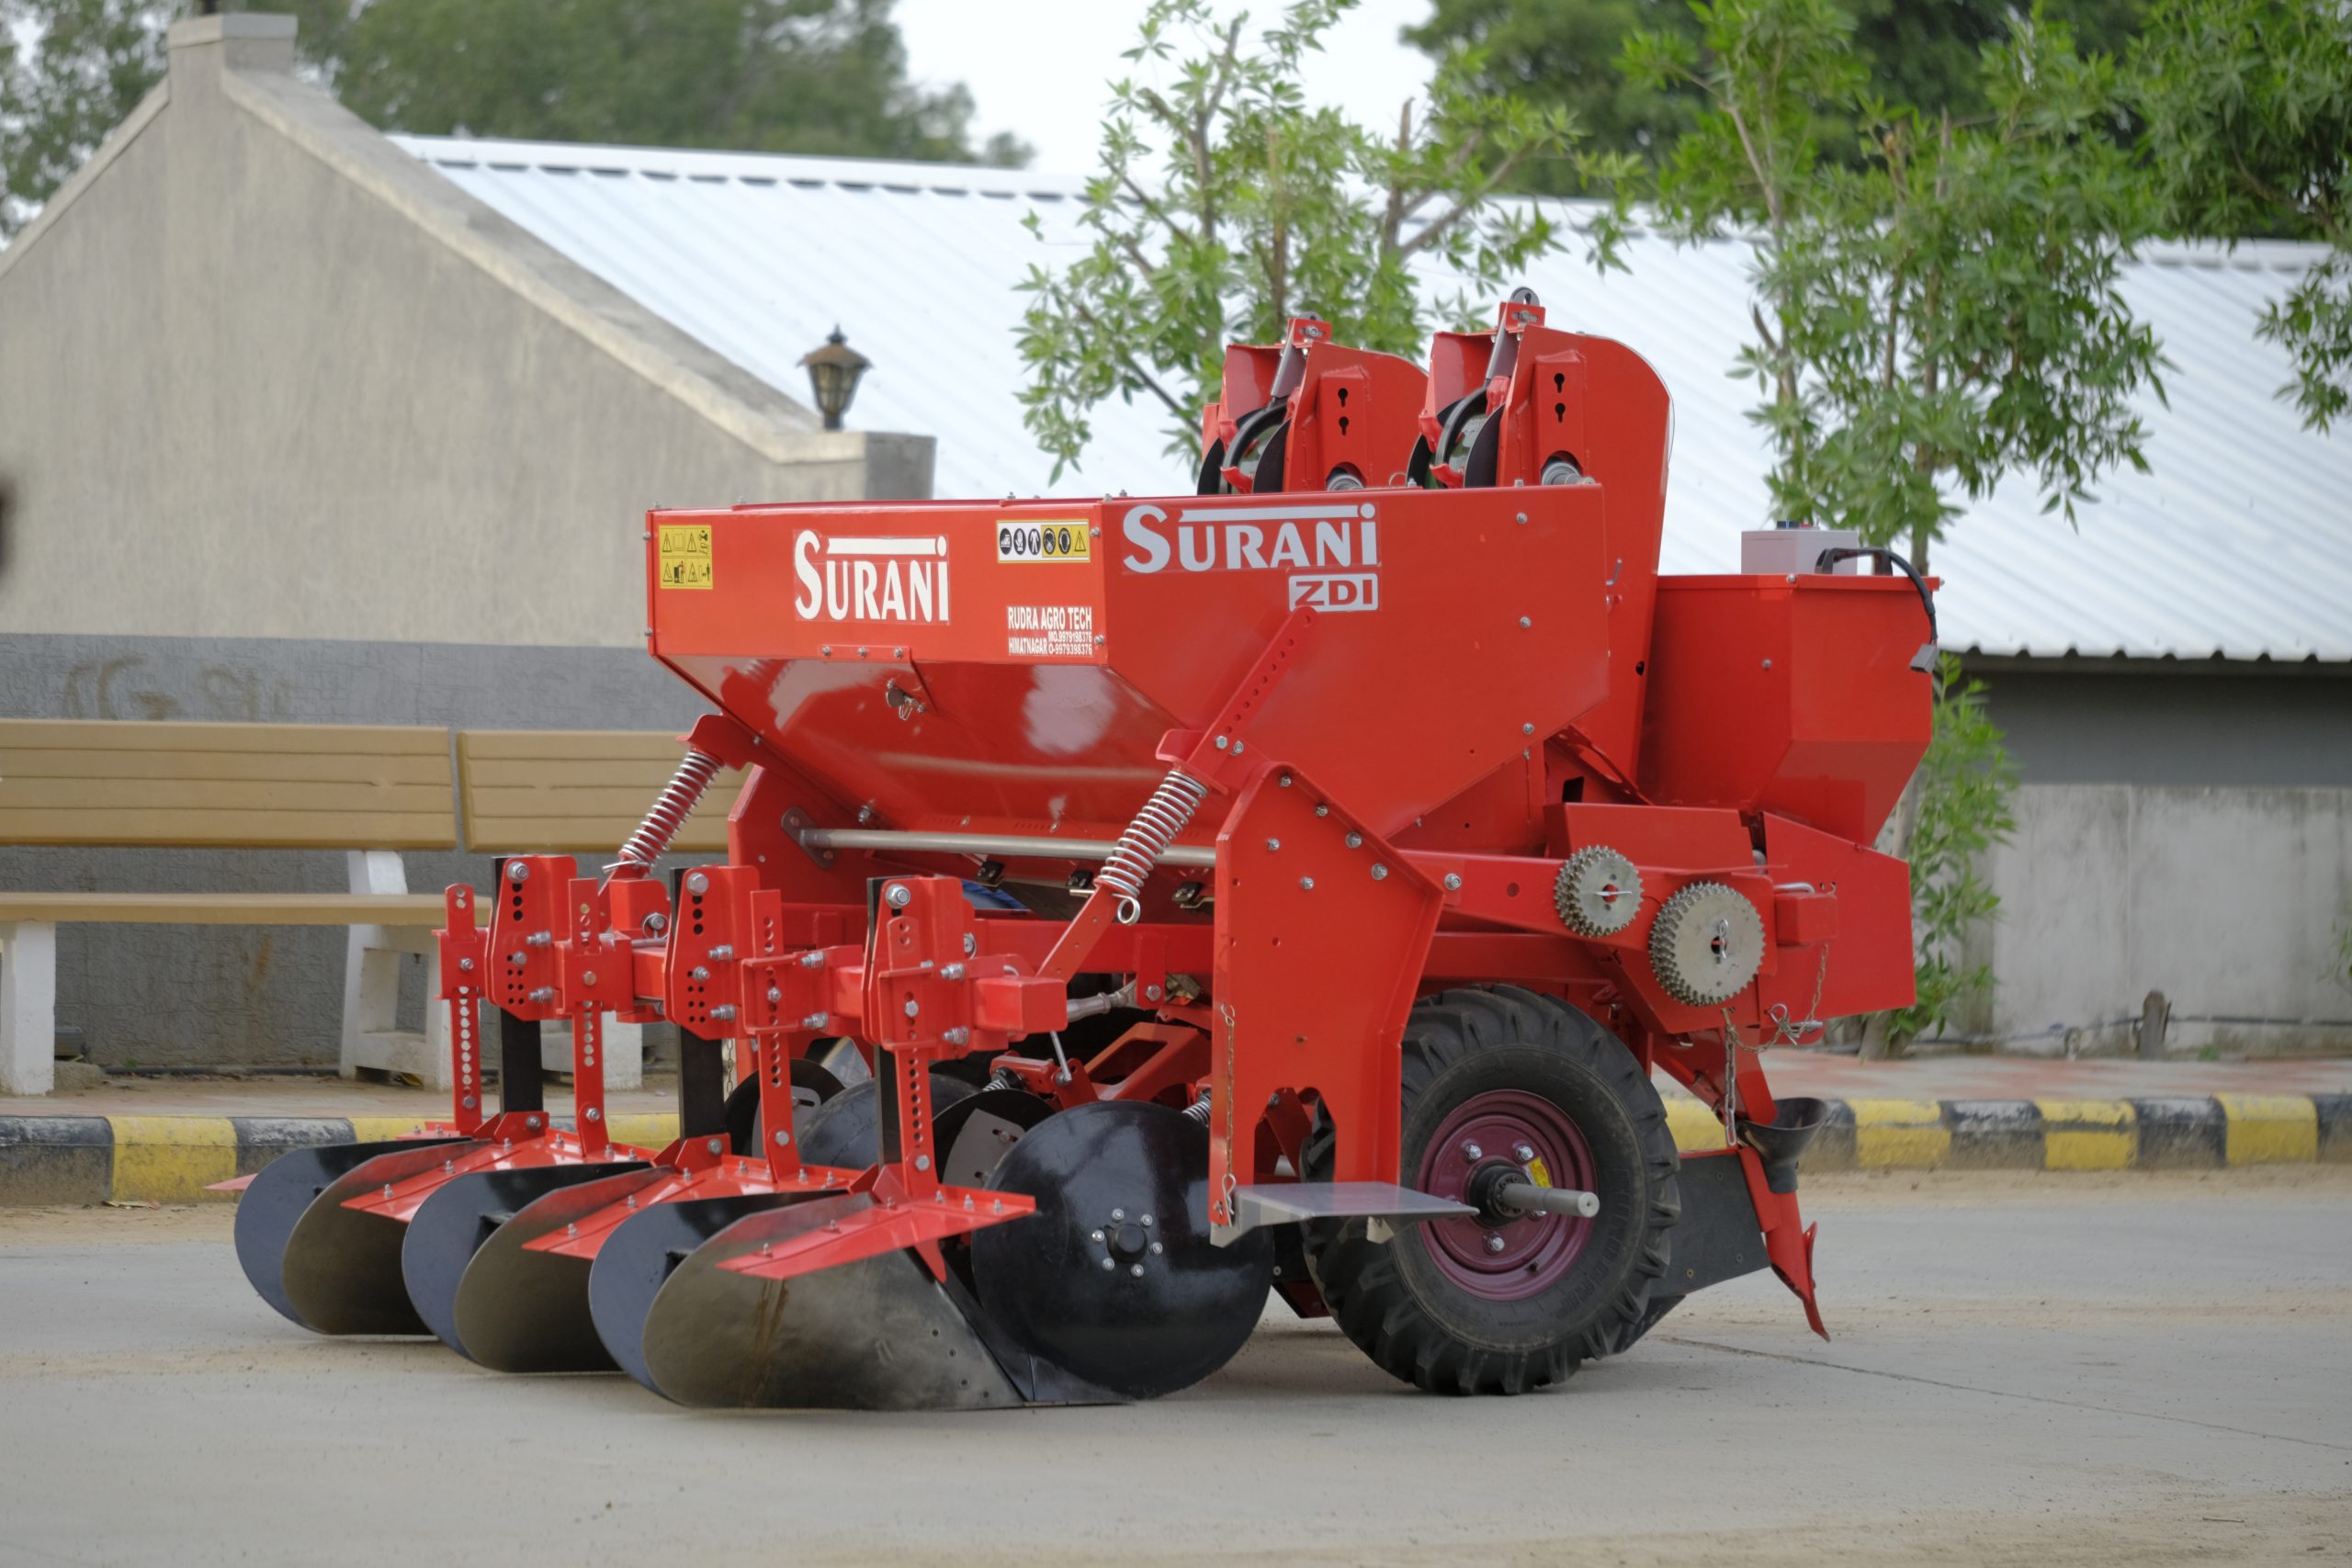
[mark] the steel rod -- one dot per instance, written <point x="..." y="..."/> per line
<point x="1525" y="1195"/>
<point x="1006" y="846"/>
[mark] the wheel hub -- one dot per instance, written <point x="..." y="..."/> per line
<point x="1500" y="1254"/>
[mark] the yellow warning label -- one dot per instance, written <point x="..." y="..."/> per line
<point x="1028" y="541"/>
<point x="1538" y="1172"/>
<point x="685" y="555"/>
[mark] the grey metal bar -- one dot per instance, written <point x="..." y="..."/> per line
<point x="1525" y="1195"/>
<point x="1003" y="846"/>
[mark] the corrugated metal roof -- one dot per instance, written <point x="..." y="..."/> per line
<point x="2236" y="546"/>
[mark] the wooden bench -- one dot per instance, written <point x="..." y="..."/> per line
<point x="580" y="792"/>
<point x="370" y="791"/>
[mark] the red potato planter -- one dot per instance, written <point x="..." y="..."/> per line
<point x="1290" y="886"/>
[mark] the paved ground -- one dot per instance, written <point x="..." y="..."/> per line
<point x="2029" y="1369"/>
<point x="1793" y="1072"/>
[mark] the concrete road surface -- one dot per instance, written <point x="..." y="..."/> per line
<point x="2028" y="1370"/>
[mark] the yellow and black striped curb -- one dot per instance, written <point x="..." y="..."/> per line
<point x="173" y="1160"/>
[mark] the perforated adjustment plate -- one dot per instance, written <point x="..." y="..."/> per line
<point x="1598" y="892"/>
<point x="1707" y="944"/>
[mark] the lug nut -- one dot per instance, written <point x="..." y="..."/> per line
<point x="1135" y="1270"/>
<point x="1522" y="1153"/>
<point x="1107" y="1265"/>
<point x="1473" y="1152"/>
<point x="1493" y="1242"/>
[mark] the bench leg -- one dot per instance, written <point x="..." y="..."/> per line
<point x="28" y="1008"/>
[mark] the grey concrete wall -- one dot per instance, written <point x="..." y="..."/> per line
<point x="263" y="375"/>
<point x="212" y="995"/>
<point x="2232" y="901"/>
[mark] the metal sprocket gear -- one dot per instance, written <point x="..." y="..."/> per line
<point x="1707" y="945"/>
<point x="1598" y="892"/>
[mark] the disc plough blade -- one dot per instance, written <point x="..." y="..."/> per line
<point x="341" y="1266"/>
<point x="520" y="1309"/>
<point x="464" y="1214"/>
<point x="274" y="1201"/>
<point x="872" y="1332"/>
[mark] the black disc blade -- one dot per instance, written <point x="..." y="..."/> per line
<point x="847" y="1129"/>
<point x="636" y="1259"/>
<point x="979" y="1131"/>
<point x="450" y="1226"/>
<point x="876" y="1334"/>
<point x="520" y="1311"/>
<point x="341" y="1267"/>
<point x="1114" y="1277"/>
<point x="272" y="1205"/>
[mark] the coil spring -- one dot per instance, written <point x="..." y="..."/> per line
<point x="669" y="811"/>
<point x="1146" y="839"/>
<point x="1198" y="1112"/>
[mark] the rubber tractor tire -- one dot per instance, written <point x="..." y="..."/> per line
<point x="1475" y="1306"/>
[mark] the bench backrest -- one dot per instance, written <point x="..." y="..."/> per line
<point x="558" y="790"/>
<point x="245" y="786"/>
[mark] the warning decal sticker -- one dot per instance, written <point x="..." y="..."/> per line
<point x="1018" y="541"/>
<point x="685" y="555"/>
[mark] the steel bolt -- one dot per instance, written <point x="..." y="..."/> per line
<point x="1118" y="1214"/>
<point x="466" y="963"/>
<point x="816" y="1020"/>
<point x="1379" y="873"/>
<point x="1524" y="623"/>
<point x="898" y="895"/>
<point x="471" y="1102"/>
<point x="595" y="1114"/>
<point x="1135" y="1270"/>
<point x="1527" y="729"/>
<point x="776" y="995"/>
<point x="1322" y="812"/>
<point x="914" y="1007"/>
<point x="1522" y="517"/>
<point x="697" y="883"/>
<point x="715" y="1147"/>
<point x="959" y="1035"/>
<point x="861" y="653"/>
<point x="971" y="944"/>
<point x="721" y="953"/>
<point x="1768" y="664"/>
<point x="781" y="1138"/>
<point x="826" y="651"/>
<point x="952" y="972"/>
<point x="922" y="1162"/>
<point x="1156" y="1250"/>
<point x="723" y="1011"/>
<point x="517" y="873"/>
<point x="1223" y="742"/>
<point x="1094" y="1235"/>
<point x="1355" y="840"/>
<point x="1284" y="780"/>
<point x="812" y="959"/>
<point x="1472" y="1153"/>
<point x="1147" y="1221"/>
<point x="531" y="1121"/>
<point x="1493" y="1242"/>
<point x="543" y="994"/>
<point x="1453" y="881"/>
<point x="699" y="973"/>
<point x="1307" y="884"/>
<point x="1109" y="1264"/>
<point x="589" y="978"/>
<point x="1152" y="993"/>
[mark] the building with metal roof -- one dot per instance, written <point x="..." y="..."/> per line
<point x="283" y="401"/>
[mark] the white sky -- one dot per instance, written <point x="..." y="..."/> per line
<point x="1039" y="68"/>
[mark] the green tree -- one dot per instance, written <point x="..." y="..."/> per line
<point x="821" y="76"/>
<point x="1940" y="312"/>
<point x="2249" y="109"/>
<point x="1937" y="311"/>
<point x="1224" y="206"/>
<point x="1563" y="53"/>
